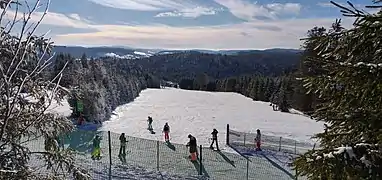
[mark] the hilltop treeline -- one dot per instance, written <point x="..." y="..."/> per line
<point x="261" y="75"/>
<point x="174" y="67"/>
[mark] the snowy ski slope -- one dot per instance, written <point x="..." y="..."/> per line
<point x="198" y="112"/>
<point x="195" y="112"/>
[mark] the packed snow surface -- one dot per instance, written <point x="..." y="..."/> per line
<point x="198" y="112"/>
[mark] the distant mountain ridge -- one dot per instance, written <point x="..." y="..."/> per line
<point x="135" y="53"/>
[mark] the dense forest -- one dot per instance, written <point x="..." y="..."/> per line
<point x="262" y="76"/>
<point x="101" y="84"/>
<point x="174" y="67"/>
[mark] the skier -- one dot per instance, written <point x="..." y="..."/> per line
<point x="193" y="147"/>
<point x="215" y="139"/>
<point x="150" y="120"/>
<point x="258" y="140"/>
<point x="166" y="130"/>
<point x="123" y="142"/>
<point x="96" y="147"/>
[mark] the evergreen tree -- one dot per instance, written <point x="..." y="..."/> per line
<point x="25" y="120"/>
<point x="231" y="85"/>
<point x="282" y="101"/>
<point x="270" y="89"/>
<point x="84" y="61"/>
<point x="349" y="84"/>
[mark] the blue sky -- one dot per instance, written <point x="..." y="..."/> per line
<point x="187" y="24"/>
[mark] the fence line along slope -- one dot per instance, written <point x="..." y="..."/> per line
<point x="141" y="161"/>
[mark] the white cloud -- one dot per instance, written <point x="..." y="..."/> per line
<point x="287" y="8"/>
<point x="330" y="5"/>
<point x="75" y="17"/>
<point x="56" y="19"/>
<point x="255" y="34"/>
<point x="173" y="8"/>
<point x="326" y="4"/>
<point x="146" y="5"/>
<point x="246" y="10"/>
<point x="361" y="7"/>
<point x="190" y="12"/>
<point x="278" y="33"/>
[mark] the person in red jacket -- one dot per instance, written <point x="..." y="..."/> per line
<point x="258" y="140"/>
<point x="166" y="130"/>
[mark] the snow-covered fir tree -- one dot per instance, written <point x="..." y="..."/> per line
<point x="26" y="95"/>
<point x="349" y="88"/>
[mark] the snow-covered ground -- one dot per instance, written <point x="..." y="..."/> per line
<point x="198" y="112"/>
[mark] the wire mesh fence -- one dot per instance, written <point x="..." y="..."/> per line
<point x="159" y="159"/>
<point x="244" y="141"/>
<point x="276" y="151"/>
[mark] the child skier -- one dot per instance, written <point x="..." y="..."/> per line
<point x="123" y="142"/>
<point x="96" y="147"/>
<point x="193" y="147"/>
<point x="150" y="120"/>
<point x="215" y="139"/>
<point x="258" y="140"/>
<point x="166" y="130"/>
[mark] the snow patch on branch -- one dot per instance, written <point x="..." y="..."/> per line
<point x="363" y="144"/>
<point x="365" y="161"/>
<point x="347" y="149"/>
<point x="8" y="171"/>
<point x="359" y="64"/>
<point x="328" y="155"/>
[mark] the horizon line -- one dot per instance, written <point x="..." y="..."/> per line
<point x="172" y="49"/>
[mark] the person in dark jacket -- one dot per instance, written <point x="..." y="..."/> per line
<point x="193" y="147"/>
<point x="215" y="139"/>
<point x="166" y="130"/>
<point x="123" y="142"/>
<point x="150" y="120"/>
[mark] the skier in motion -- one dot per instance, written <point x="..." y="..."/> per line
<point x="215" y="139"/>
<point x="123" y="141"/>
<point x="96" y="154"/>
<point x="166" y="130"/>
<point x="258" y="140"/>
<point x="150" y="120"/>
<point x="193" y="148"/>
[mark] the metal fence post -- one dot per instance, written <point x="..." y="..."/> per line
<point x="295" y="147"/>
<point x="247" y="169"/>
<point x="200" y="159"/>
<point x="244" y="138"/>
<point x="280" y="144"/>
<point x="227" y="136"/>
<point x="110" y="162"/>
<point x="158" y="155"/>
